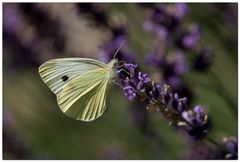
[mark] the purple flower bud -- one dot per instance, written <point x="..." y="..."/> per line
<point x="186" y="116"/>
<point x="198" y="109"/>
<point x="165" y="95"/>
<point x="231" y="144"/>
<point x="179" y="104"/>
<point x="155" y="93"/>
<point x="130" y="67"/>
<point x="199" y="113"/>
<point x="143" y="77"/>
<point x="182" y="104"/>
<point x="130" y="92"/>
<point x="175" y="101"/>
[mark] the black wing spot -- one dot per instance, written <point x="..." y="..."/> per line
<point x="65" y="78"/>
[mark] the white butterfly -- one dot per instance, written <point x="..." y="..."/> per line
<point x="80" y="84"/>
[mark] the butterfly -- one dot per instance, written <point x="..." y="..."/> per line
<point x="80" y="84"/>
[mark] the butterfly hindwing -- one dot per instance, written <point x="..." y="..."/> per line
<point x="84" y="97"/>
<point x="57" y="73"/>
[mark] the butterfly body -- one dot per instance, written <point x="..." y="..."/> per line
<point x="80" y="84"/>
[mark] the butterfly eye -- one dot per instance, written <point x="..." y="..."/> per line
<point x="64" y="78"/>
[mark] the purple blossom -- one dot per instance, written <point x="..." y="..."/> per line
<point x="129" y="91"/>
<point x="160" y="30"/>
<point x="198" y="121"/>
<point x="191" y="38"/>
<point x="181" y="10"/>
<point x="130" y="67"/>
<point x="186" y="116"/>
<point x="231" y="144"/>
<point x="143" y="77"/>
<point x="190" y="41"/>
<point x="161" y="21"/>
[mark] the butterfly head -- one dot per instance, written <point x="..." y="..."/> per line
<point x="113" y="63"/>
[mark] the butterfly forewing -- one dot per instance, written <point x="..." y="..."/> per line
<point x="84" y="97"/>
<point x="57" y="73"/>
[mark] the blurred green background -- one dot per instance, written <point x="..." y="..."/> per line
<point x="35" y="128"/>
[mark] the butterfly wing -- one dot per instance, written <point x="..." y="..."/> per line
<point x="57" y="73"/>
<point x="84" y="98"/>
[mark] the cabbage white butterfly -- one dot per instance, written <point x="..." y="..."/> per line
<point x="80" y="84"/>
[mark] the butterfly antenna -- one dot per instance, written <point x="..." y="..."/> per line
<point x="119" y="48"/>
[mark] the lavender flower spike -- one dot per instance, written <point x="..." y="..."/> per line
<point x="161" y="98"/>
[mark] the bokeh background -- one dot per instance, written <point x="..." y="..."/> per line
<point x="35" y="128"/>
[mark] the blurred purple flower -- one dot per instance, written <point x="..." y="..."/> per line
<point x="154" y="60"/>
<point x="180" y="65"/>
<point x="108" y="49"/>
<point x="174" y="81"/>
<point x="190" y="41"/>
<point x="231" y="144"/>
<point x="148" y="26"/>
<point x="11" y="18"/>
<point x="162" y="32"/>
<point x="161" y="21"/>
<point x="181" y="9"/>
<point x="191" y="38"/>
